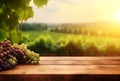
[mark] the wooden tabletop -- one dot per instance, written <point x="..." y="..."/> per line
<point x="68" y="66"/>
<point x="66" y="69"/>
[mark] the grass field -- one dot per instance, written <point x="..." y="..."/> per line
<point x="36" y="34"/>
<point x="55" y="36"/>
<point x="71" y="43"/>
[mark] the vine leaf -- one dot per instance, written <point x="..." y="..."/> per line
<point x="25" y="13"/>
<point x="16" y="37"/>
<point x="40" y="3"/>
<point x="3" y="35"/>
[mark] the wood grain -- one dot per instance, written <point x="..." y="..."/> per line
<point x="67" y="68"/>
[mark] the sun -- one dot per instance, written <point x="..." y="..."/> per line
<point x="117" y="16"/>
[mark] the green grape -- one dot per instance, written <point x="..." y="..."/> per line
<point x="12" y="61"/>
<point x="30" y="56"/>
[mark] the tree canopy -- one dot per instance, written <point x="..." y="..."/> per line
<point x="12" y="12"/>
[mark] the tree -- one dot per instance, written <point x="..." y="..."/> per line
<point x="13" y="12"/>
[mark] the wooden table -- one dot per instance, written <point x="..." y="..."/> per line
<point x="66" y="69"/>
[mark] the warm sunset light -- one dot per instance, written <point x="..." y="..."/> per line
<point x="65" y="35"/>
<point x="117" y="16"/>
<point x="75" y="11"/>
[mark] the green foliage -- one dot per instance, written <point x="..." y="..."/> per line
<point x="111" y="49"/>
<point x="33" y="26"/>
<point x="8" y="19"/>
<point x="25" y="13"/>
<point x="25" y="38"/>
<point x="36" y="34"/>
<point x="92" y="50"/>
<point x="76" y="45"/>
<point x="40" y="3"/>
<point x="18" y="37"/>
<point x="43" y="45"/>
<point x="3" y="35"/>
<point x="16" y="4"/>
<point x="15" y="36"/>
<point x="14" y="12"/>
<point x="90" y="29"/>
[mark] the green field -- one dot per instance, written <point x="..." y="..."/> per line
<point x="36" y="34"/>
<point x="70" y="44"/>
<point x="33" y="35"/>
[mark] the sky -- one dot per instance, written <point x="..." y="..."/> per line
<point x="77" y="11"/>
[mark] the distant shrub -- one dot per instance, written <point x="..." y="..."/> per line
<point x="111" y="49"/>
<point x="92" y="50"/>
<point x="71" y="46"/>
<point x="33" y="26"/>
<point x="43" y="45"/>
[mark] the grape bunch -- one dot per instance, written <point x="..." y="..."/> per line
<point x="7" y="60"/>
<point x="19" y="54"/>
<point x="31" y="57"/>
<point x="11" y="55"/>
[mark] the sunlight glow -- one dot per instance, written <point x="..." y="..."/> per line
<point x="117" y="16"/>
<point x="77" y="11"/>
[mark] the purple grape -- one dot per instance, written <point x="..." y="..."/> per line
<point x="7" y="53"/>
<point x="7" y="42"/>
<point x="1" y="55"/>
<point x="1" y="44"/>
<point x="0" y="69"/>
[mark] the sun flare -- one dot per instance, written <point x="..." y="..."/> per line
<point x="117" y="16"/>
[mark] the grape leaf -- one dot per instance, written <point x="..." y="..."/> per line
<point x="14" y="4"/>
<point x="12" y="21"/>
<point x="16" y="36"/>
<point x="1" y="11"/>
<point x="25" y="13"/>
<point x="12" y="12"/>
<point x="40" y="3"/>
<point x="3" y="35"/>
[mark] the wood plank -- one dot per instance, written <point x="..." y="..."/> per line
<point x="80" y="58"/>
<point x="70" y="65"/>
<point x="80" y="62"/>
<point x="66" y="69"/>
